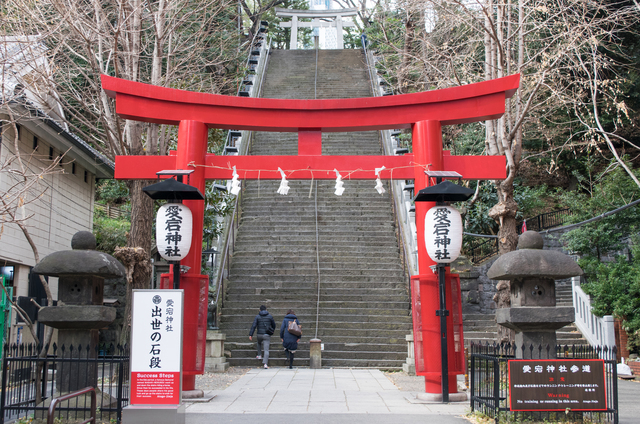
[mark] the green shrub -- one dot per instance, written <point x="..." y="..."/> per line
<point x="110" y="233"/>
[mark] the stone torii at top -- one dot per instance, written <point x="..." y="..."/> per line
<point x="423" y="113"/>
<point x="321" y="18"/>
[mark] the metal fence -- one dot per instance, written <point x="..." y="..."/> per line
<point x="29" y="382"/>
<point x="112" y="212"/>
<point x="479" y="250"/>
<point x="489" y="383"/>
<point x="545" y="221"/>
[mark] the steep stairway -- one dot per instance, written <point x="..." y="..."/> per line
<point x="481" y="328"/>
<point x="310" y="245"/>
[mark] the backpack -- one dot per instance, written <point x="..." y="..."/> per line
<point x="271" y="330"/>
<point x="294" y="328"/>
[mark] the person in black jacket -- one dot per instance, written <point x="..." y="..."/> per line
<point x="265" y="324"/>
<point x="289" y="341"/>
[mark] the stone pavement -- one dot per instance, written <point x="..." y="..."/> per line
<point x="352" y="396"/>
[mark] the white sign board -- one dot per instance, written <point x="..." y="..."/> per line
<point x="156" y="347"/>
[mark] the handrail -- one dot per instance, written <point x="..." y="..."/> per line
<point x="407" y="241"/>
<point x="545" y="220"/>
<point x="55" y="401"/>
<point x="485" y="249"/>
<point x="223" y="263"/>
<point x="599" y="331"/>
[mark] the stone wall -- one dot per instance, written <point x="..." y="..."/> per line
<point x="114" y="289"/>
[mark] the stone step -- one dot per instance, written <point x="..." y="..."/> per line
<point x="346" y="342"/>
<point x="308" y="309"/>
<point x="311" y="262"/>
<point x="268" y="229"/>
<point x="325" y="272"/>
<point x="255" y="299"/>
<point x="250" y="353"/>
<point x="326" y="261"/>
<point x="357" y="243"/>
<point x="327" y="314"/>
<point x="382" y="364"/>
<point x="279" y="249"/>
<point x="292" y="282"/>
<point x="338" y="237"/>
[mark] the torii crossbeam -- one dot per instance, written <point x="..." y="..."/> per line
<point x="424" y="113"/>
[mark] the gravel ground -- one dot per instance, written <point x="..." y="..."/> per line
<point x="406" y="382"/>
<point x="222" y="380"/>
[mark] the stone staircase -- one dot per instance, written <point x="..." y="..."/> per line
<point x="349" y="260"/>
<point x="482" y="327"/>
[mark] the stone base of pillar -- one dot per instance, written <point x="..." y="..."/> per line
<point x="145" y="414"/>
<point x="437" y="397"/>
<point x="214" y="352"/>
<point x="215" y="364"/>
<point x="192" y="394"/>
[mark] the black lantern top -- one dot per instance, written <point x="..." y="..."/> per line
<point x="171" y="189"/>
<point x="445" y="191"/>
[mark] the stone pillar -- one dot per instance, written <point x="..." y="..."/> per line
<point x="215" y="360"/>
<point x="294" y="33"/>
<point x="410" y="365"/>
<point x="339" y="32"/>
<point x="315" y="354"/>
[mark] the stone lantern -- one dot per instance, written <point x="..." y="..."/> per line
<point x="80" y="313"/>
<point x="532" y="271"/>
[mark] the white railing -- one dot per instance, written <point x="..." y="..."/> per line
<point x="237" y="141"/>
<point x="237" y="144"/>
<point x="598" y="331"/>
<point x="401" y="192"/>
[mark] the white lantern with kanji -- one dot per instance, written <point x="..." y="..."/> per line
<point x="174" y="227"/>
<point x="443" y="233"/>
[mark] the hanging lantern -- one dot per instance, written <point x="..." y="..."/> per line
<point x="174" y="226"/>
<point x="443" y="234"/>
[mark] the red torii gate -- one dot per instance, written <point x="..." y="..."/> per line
<point x="424" y="113"/>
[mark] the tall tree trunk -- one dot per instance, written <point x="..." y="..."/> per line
<point x="407" y="54"/>
<point x="505" y="214"/>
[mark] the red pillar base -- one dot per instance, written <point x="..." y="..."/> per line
<point x="426" y="334"/>
<point x="194" y="330"/>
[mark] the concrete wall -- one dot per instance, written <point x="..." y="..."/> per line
<point x="64" y="208"/>
<point x="57" y="206"/>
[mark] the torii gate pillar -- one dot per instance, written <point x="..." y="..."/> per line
<point x="427" y="149"/>
<point x="192" y="148"/>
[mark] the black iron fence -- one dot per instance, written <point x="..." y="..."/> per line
<point x="29" y="382"/>
<point x="545" y="221"/>
<point x="489" y="383"/>
<point x="480" y="249"/>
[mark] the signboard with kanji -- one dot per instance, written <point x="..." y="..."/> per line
<point x="557" y="384"/>
<point x="156" y="347"/>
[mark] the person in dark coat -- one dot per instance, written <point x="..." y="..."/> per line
<point x="289" y="341"/>
<point x="265" y="325"/>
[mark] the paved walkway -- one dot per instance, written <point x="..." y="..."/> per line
<point x="326" y="395"/>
